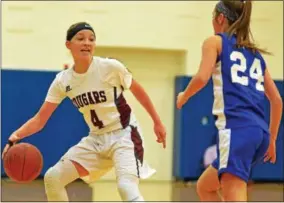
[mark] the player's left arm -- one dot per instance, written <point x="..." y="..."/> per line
<point x="121" y="76"/>
<point x="144" y="99"/>
<point x="210" y="49"/>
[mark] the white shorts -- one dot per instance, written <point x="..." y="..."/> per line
<point x="122" y="149"/>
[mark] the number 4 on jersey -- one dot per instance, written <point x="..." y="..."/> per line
<point x="255" y="71"/>
<point x="95" y="120"/>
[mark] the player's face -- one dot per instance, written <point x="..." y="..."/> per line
<point x="82" y="45"/>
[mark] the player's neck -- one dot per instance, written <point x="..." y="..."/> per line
<point x="82" y="66"/>
<point x="225" y="28"/>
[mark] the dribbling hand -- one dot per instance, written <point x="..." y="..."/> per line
<point x="161" y="133"/>
<point x="11" y="141"/>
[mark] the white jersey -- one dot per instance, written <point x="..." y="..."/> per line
<point x="98" y="94"/>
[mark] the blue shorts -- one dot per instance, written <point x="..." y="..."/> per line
<point x="238" y="149"/>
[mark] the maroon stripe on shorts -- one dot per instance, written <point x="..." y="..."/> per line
<point x="123" y="108"/>
<point x="138" y="147"/>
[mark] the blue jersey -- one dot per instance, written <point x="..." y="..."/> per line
<point x="238" y="87"/>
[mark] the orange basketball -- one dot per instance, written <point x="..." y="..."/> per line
<point x="23" y="162"/>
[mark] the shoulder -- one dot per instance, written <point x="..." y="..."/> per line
<point x="113" y="63"/>
<point x="63" y="76"/>
<point x="109" y="64"/>
<point x="211" y="43"/>
<point x="214" y="40"/>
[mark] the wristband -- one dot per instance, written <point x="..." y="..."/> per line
<point x="10" y="143"/>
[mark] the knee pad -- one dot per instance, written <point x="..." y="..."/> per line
<point x="61" y="173"/>
<point x="128" y="188"/>
<point x="57" y="177"/>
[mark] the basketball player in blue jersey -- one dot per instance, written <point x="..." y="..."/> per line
<point x="241" y="80"/>
<point x="95" y="86"/>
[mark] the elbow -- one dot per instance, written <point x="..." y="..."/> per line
<point x="39" y="122"/>
<point x="277" y="101"/>
<point x="41" y="126"/>
<point x="202" y="80"/>
<point x="280" y="103"/>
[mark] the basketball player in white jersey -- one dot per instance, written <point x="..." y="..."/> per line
<point x="95" y="85"/>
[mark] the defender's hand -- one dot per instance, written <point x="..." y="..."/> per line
<point x="270" y="155"/>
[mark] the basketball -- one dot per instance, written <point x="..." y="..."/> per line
<point x="23" y="163"/>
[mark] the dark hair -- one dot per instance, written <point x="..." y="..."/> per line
<point x="73" y="29"/>
<point x="241" y="26"/>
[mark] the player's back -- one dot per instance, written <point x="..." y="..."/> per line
<point x="238" y="87"/>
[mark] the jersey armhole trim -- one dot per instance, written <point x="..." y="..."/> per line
<point x="220" y="54"/>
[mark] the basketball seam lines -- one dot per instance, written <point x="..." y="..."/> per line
<point x="24" y="163"/>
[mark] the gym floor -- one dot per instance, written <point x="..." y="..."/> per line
<point x="106" y="191"/>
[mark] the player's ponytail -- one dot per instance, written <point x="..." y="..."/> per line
<point x="241" y="26"/>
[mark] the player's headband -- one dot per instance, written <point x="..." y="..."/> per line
<point x="231" y="15"/>
<point x="80" y="26"/>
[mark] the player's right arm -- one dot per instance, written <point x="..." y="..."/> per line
<point x="54" y="97"/>
<point x="276" y="108"/>
<point x="276" y="105"/>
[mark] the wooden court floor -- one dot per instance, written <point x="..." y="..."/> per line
<point x="106" y="191"/>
